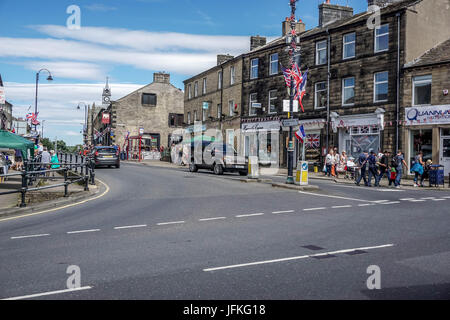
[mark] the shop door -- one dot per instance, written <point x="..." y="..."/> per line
<point x="445" y="154"/>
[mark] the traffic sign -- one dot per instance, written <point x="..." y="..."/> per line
<point x="289" y="122"/>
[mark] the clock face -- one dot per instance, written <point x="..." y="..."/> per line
<point x="106" y="99"/>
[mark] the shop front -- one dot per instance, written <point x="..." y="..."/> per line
<point x="313" y="142"/>
<point x="359" y="133"/>
<point x="428" y="130"/>
<point x="262" y="139"/>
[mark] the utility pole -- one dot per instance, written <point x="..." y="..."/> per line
<point x="292" y="57"/>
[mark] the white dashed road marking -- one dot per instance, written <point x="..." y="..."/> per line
<point x="286" y="211"/>
<point x="249" y="215"/>
<point x="31" y="236"/>
<point x="130" y="227"/>
<point x="48" y="293"/>
<point x="339" y="207"/>
<point x="296" y="258"/>
<point x="167" y="223"/>
<point x="391" y="202"/>
<point x="83" y="231"/>
<point x="314" y="209"/>
<point x="212" y="219"/>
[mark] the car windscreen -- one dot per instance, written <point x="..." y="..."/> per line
<point x="106" y="150"/>
<point x="225" y="148"/>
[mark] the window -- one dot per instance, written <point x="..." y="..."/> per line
<point x="320" y="95"/>
<point x="272" y="101"/>
<point x="349" y="42"/>
<point x="348" y="91"/>
<point x="190" y="91"/>
<point x="321" y="52"/>
<point x="204" y="114"/>
<point x="232" y="75"/>
<point x="204" y="86"/>
<point x="382" y="38"/>
<point x="254" y="68"/>
<point x="231" y="108"/>
<point x="274" y="64"/>
<point x="230" y="137"/>
<point x="189" y="118"/>
<point x="219" y="84"/>
<point x="253" y="97"/>
<point x="175" y="120"/>
<point x="196" y="89"/>
<point x="195" y="115"/>
<point x="381" y="87"/>
<point x="149" y="99"/>
<point x="422" y="90"/>
<point x="219" y="111"/>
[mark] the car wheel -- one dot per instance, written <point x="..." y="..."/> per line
<point x="118" y="166"/>
<point x="218" y="169"/>
<point x="192" y="167"/>
<point x="242" y="173"/>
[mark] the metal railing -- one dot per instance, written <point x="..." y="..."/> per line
<point x="74" y="168"/>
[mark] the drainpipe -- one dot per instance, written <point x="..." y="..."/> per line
<point x="398" y="15"/>
<point x="328" y="90"/>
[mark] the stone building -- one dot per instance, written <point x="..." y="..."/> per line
<point x="426" y="98"/>
<point x="5" y="110"/>
<point x="214" y="98"/>
<point x="153" y="112"/>
<point x="354" y="76"/>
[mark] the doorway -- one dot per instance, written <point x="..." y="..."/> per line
<point x="445" y="150"/>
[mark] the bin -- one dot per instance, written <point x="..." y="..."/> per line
<point x="436" y="174"/>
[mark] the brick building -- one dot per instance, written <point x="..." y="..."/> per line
<point x="154" y="112"/>
<point x="426" y="98"/>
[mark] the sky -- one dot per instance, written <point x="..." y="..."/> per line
<point x="126" y="41"/>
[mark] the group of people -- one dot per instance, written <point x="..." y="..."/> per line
<point x="335" y="163"/>
<point x="47" y="159"/>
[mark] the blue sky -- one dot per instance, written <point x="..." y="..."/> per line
<point x="127" y="41"/>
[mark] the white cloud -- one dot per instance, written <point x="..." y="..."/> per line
<point x="70" y="70"/>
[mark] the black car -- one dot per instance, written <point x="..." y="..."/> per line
<point x="106" y="156"/>
<point x="218" y="157"/>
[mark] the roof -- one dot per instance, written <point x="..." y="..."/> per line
<point x="436" y="55"/>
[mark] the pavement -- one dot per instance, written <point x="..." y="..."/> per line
<point x="166" y="233"/>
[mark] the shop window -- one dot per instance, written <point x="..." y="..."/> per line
<point x="421" y="140"/>
<point x="446" y="132"/>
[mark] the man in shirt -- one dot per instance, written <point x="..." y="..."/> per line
<point x="372" y="161"/>
<point x="383" y="164"/>
<point x="399" y="161"/>
<point x="46" y="159"/>
<point x="362" y="161"/>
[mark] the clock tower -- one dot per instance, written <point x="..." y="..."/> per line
<point x="106" y="96"/>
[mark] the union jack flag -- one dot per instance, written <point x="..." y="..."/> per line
<point x="287" y="73"/>
<point x="33" y="118"/>
<point x="312" y="141"/>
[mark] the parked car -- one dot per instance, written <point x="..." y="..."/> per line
<point x="106" y="156"/>
<point x="223" y="158"/>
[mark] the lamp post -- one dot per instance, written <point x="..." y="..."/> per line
<point x="85" y="120"/>
<point x="292" y="50"/>
<point x="49" y="78"/>
<point x="42" y="129"/>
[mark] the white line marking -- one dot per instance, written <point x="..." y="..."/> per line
<point x="49" y="293"/>
<point x="339" y="207"/>
<point x="83" y="231"/>
<point x="167" y="223"/>
<point x="131" y="227"/>
<point x="391" y="202"/>
<point x="447" y="197"/>
<point x="407" y="199"/>
<point x="31" y="236"/>
<point x="314" y="209"/>
<point x="287" y="211"/>
<point x="212" y="219"/>
<point x="439" y="199"/>
<point x="296" y="258"/>
<point x="336" y="197"/>
<point x="429" y="198"/>
<point x="380" y="201"/>
<point x="366" y="204"/>
<point x="417" y="200"/>
<point x="249" y="215"/>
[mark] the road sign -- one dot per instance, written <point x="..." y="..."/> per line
<point x="256" y="105"/>
<point x="289" y="122"/>
<point x="286" y="106"/>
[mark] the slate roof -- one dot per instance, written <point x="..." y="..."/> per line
<point x="438" y="54"/>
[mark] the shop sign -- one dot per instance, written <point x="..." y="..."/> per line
<point x="259" y="126"/>
<point x="427" y="115"/>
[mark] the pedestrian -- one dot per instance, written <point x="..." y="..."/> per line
<point x="383" y="165"/>
<point x="418" y="168"/>
<point x="45" y="160"/>
<point x="362" y="162"/>
<point x="18" y="159"/>
<point x="54" y="161"/>
<point x="426" y="172"/>
<point x="399" y="161"/>
<point x="373" y="171"/>
<point x="336" y="162"/>
<point x="329" y="162"/>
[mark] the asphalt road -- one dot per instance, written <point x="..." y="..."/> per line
<point x="170" y="234"/>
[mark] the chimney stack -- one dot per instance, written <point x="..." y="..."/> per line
<point x="256" y="42"/>
<point x="286" y="27"/>
<point x="161" y="77"/>
<point x="222" y="58"/>
<point x="329" y="13"/>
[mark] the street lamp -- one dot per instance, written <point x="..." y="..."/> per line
<point x="85" y="120"/>
<point x="42" y="129"/>
<point x="49" y="78"/>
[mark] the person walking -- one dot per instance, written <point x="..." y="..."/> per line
<point x="362" y="162"/>
<point x="54" y="161"/>
<point x="45" y="160"/>
<point x="383" y="165"/>
<point x="329" y="162"/>
<point x="373" y="172"/>
<point x="426" y="172"/>
<point x="336" y="162"/>
<point x="418" y="168"/>
<point x="399" y="161"/>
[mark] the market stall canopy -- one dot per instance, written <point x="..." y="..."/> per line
<point x="200" y="138"/>
<point x="13" y="141"/>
